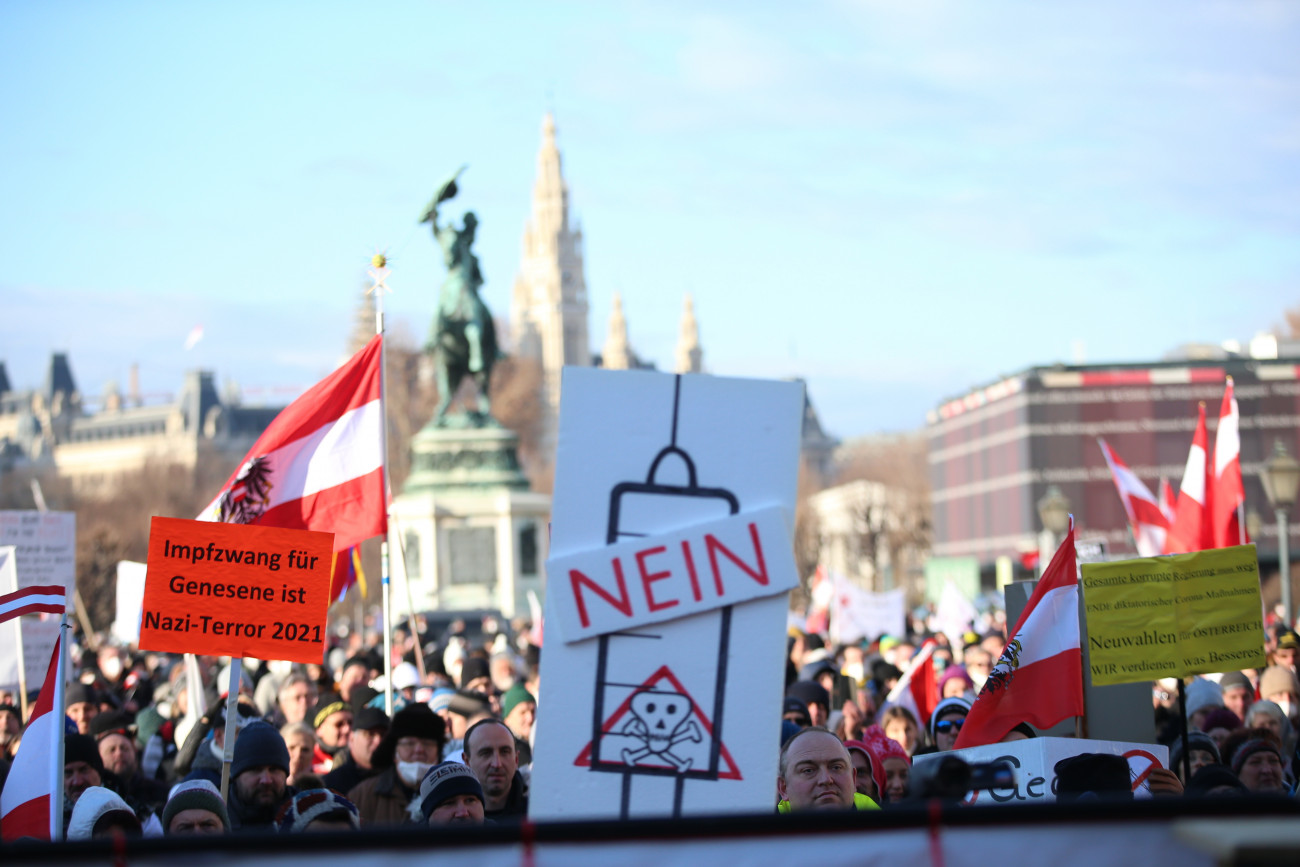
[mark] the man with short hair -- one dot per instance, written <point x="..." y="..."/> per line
<point x="490" y="753"/>
<point x="296" y="696"/>
<point x="195" y="808"/>
<point x="450" y="794"/>
<point x="815" y="772"/>
<point x="259" y="777"/>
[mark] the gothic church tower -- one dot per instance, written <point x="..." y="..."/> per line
<point x="548" y="308"/>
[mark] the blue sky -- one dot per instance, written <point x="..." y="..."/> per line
<point x="896" y="200"/>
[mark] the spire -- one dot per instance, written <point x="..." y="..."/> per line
<point x="690" y="357"/>
<point x="618" y="352"/>
<point x="550" y="195"/>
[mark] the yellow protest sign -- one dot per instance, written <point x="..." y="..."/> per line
<point x="1173" y="616"/>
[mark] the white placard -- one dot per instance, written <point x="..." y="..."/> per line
<point x="682" y="716"/>
<point x="45" y="546"/>
<point x="130" y="601"/>
<point x="1035" y="761"/>
<point x="670" y="575"/>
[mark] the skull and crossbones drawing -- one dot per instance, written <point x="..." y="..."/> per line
<point x="661" y="721"/>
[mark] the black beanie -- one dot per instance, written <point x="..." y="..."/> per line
<point x="82" y="748"/>
<point x="412" y="721"/>
<point x="259" y="744"/>
<point x="472" y="669"/>
<point x="810" y="693"/>
<point x="1100" y="774"/>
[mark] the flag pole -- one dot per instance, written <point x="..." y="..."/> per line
<point x="22" y="667"/>
<point x="1182" y="729"/>
<point x="410" y="606"/>
<point x="57" y="711"/>
<point x="379" y="273"/>
<point x="232" y="701"/>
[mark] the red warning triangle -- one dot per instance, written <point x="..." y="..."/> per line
<point x="729" y="770"/>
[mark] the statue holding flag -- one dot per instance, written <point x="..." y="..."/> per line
<point x="464" y="342"/>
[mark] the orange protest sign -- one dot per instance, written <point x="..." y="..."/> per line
<point x="236" y="590"/>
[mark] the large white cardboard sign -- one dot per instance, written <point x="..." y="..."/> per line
<point x="130" y="601"/>
<point x="45" y="549"/>
<point x="641" y="715"/>
<point x="687" y="571"/>
<point x="1035" y="761"/>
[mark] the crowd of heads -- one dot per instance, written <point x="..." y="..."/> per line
<point x="315" y="749"/>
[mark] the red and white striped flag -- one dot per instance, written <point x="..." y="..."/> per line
<point x="1039" y="677"/>
<point x="918" y="688"/>
<point x="31" y="804"/>
<point x="1145" y="519"/>
<point x="1168" y="501"/>
<point x="1190" y="530"/>
<point x="320" y="464"/>
<point x="1226" y="499"/>
<point x="38" y="599"/>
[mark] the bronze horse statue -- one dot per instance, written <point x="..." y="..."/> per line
<point x="464" y="339"/>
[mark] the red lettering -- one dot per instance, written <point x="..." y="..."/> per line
<point x="649" y="578"/>
<point x="714" y="546"/>
<point x="690" y="570"/>
<point x="623" y="604"/>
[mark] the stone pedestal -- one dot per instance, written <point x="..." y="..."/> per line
<point x="465" y="530"/>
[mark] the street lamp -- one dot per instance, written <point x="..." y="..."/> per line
<point x="1281" y="477"/>
<point x="1054" y="512"/>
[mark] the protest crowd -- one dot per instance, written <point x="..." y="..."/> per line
<point x="315" y="749"/>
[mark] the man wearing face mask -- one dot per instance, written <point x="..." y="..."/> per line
<point x="413" y="745"/>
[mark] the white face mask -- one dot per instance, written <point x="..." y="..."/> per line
<point x="111" y="668"/>
<point x="1287" y="707"/>
<point x="412" y="772"/>
<point x="280" y="667"/>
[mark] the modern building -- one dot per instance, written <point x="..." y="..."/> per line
<point x="995" y="451"/>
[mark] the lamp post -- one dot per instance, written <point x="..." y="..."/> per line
<point x="1281" y="477"/>
<point x="1054" y="512"/>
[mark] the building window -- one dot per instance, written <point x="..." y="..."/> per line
<point x="528" y="549"/>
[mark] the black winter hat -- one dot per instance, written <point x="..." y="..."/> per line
<point x="1099" y="774"/>
<point x="809" y="693"/>
<point x="472" y="669"/>
<point x="82" y="748"/>
<point x="412" y="721"/>
<point x="259" y="744"/>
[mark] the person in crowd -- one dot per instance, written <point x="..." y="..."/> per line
<point x="332" y="720"/>
<point x="317" y="810"/>
<point x="82" y="702"/>
<point x="519" y="711"/>
<point x="115" y="740"/>
<point x="900" y="725"/>
<point x="1203" y="697"/>
<point x="369" y="725"/>
<point x="894" y="762"/>
<point x="82" y="767"/>
<point x="815" y="697"/>
<point x="1090" y="776"/>
<point x="464" y="709"/>
<point x="412" y="746"/>
<point x="1238" y="692"/>
<point x="816" y="772"/>
<point x="946" y="722"/>
<point x="1219" y="723"/>
<point x="300" y="740"/>
<point x="1288" y="643"/>
<point x="794" y="710"/>
<point x="870" y="779"/>
<point x="1279" y="685"/>
<point x="450" y="794"/>
<point x="1021" y="731"/>
<point x="978" y="663"/>
<point x="1215" y="781"/>
<point x="956" y="683"/>
<point x="100" y="812"/>
<point x="1258" y="764"/>
<point x="259" y="777"/>
<point x="490" y="754"/>
<point x="297" y="696"/>
<point x="1202" y="751"/>
<point x="203" y="752"/>
<point x="11" y="730"/>
<point x="195" y="808"/>
<point x="355" y="673"/>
